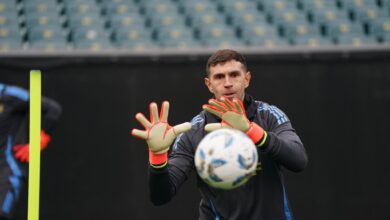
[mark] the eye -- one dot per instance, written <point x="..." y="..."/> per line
<point x="219" y="76"/>
<point x="234" y="74"/>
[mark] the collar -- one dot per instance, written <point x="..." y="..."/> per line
<point x="250" y="106"/>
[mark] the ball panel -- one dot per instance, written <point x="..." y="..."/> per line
<point x="226" y="158"/>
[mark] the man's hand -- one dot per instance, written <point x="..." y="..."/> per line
<point x="158" y="134"/>
<point x="22" y="152"/>
<point x="233" y="115"/>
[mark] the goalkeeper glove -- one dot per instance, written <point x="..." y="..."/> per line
<point x="158" y="134"/>
<point x="22" y="151"/>
<point x="233" y="115"/>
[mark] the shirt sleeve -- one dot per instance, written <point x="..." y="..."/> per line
<point x="51" y="112"/>
<point x="283" y="144"/>
<point x="165" y="182"/>
<point x="17" y="102"/>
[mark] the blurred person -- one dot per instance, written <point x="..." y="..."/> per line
<point x="279" y="147"/>
<point x="14" y="138"/>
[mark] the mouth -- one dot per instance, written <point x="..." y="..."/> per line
<point x="229" y="95"/>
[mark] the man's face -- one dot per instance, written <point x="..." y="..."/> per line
<point x="228" y="79"/>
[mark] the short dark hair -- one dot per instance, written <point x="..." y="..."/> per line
<point x="222" y="56"/>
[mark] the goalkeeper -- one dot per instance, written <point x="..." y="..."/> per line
<point x="14" y="149"/>
<point x="264" y="195"/>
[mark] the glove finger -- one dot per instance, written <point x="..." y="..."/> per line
<point x="220" y="105"/>
<point x="153" y="112"/>
<point x="228" y="103"/>
<point x="139" y="134"/>
<point x="20" y="155"/>
<point x="182" y="128"/>
<point x="25" y="158"/>
<point x="17" y="147"/>
<point x="164" y="111"/>
<point x="212" y="127"/>
<point x="142" y="120"/>
<point x="213" y="110"/>
<point x="17" y="155"/>
<point x="239" y="106"/>
<point x="25" y="151"/>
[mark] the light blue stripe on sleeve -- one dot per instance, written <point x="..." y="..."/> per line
<point x="177" y="141"/>
<point x="17" y="172"/>
<point x="17" y="92"/>
<point x="14" y="178"/>
<point x="214" y="211"/>
<point x="277" y="113"/>
<point x="9" y="199"/>
<point x="196" y="120"/>
<point x="287" y="211"/>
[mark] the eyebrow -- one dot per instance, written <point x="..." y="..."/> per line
<point x="234" y="71"/>
<point x="231" y="72"/>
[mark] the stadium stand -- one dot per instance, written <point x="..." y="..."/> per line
<point x="10" y="33"/>
<point x="135" y="24"/>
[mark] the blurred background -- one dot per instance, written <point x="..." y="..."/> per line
<point x="325" y="63"/>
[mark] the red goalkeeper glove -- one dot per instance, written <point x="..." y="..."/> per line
<point x="233" y="115"/>
<point x="22" y="151"/>
<point x="158" y="134"/>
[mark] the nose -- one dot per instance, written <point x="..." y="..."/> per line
<point x="228" y="82"/>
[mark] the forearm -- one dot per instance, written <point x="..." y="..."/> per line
<point x="163" y="183"/>
<point x="160" y="188"/>
<point x="287" y="149"/>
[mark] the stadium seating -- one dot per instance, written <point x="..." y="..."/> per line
<point x="258" y="35"/>
<point x="11" y="36"/>
<point x="143" y="24"/>
<point x="311" y="41"/>
<point x="380" y="28"/>
<point x="310" y="5"/>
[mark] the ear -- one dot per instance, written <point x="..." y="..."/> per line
<point x="208" y="84"/>
<point x="248" y="77"/>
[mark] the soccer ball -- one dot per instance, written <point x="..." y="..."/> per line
<point x="226" y="158"/>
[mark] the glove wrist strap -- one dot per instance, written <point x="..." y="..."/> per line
<point x="255" y="132"/>
<point x="262" y="142"/>
<point x="158" y="160"/>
